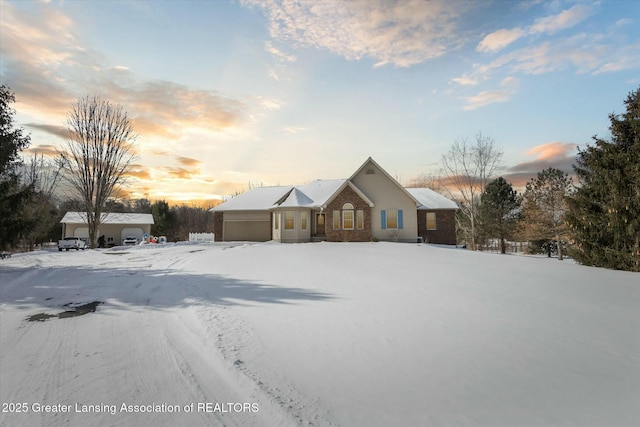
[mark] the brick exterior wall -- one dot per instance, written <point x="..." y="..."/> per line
<point x="348" y="196"/>
<point x="218" y="219"/>
<point x="445" y="232"/>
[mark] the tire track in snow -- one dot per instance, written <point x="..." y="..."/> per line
<point x="216" y="377"/>
<point x="239" y="347"/>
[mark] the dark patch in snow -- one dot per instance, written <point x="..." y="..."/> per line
<point x="40" y="317"/>
<point x="76" y="311"/>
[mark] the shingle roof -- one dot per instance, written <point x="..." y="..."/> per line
<point x="313" y="194"/>
<point x="110" y="218"/>
<point x="256" y="199"/>
<point x="429" y="199"/>
<point x="295" y="198"/>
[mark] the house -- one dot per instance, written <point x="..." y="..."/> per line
<point x="115" y="227"/>
<point x="370" y="205"/>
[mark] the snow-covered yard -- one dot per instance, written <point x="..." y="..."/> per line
<point x="346" y="334"/>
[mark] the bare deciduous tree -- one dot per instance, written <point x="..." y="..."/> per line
<point x="466" y="171"/>
<point x="98" y="154"/>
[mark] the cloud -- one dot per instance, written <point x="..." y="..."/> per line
<point x="187" y="161"/>
<point x="566" y="19"/>
<point x="181" y="173"/>
<point x="139" y="171"/>
<point x="280" y="55"/>
<point x="487" y="97"/>
<point x="46" y="150"/>
<point x="59" y="131"/>
<point x="294" y="129"/>
<point x="559" y="155"/>
<point x="499" y="39"/>
<point x="581" y="51"/>
<point x="551" y="150"/>
<point x="465" y="81"/>
<point x="48" y="68"/>
<point x="401" y="33"/>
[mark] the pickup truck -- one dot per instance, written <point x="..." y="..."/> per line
<point x="71" y="243"/>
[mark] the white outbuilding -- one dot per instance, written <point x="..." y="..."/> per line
<point x="115" y="227"/>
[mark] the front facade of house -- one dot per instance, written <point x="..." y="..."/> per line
<point x="115" y="227"/>
<point x="370" y="205"/>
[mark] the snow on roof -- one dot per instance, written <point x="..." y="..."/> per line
<point x="109" y="218"/>
<point x="320" y="190"/>
<point x="295" y="198"/>
<point x="313" y="194"/>
<point x="256" y="199"/>
<point x="429" y="199"/>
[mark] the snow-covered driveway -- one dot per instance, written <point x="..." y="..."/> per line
<point x="349" y="334"/>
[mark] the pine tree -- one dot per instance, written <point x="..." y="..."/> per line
<point x="498" y="211"/>
<point x="545" y="207"/>
<point x="604" y="212"/>
<point x="13" y="194"/>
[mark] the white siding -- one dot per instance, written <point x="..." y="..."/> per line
<point x="385" y="195"/>
<point x="297" y="234"/>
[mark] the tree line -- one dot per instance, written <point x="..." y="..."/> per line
<point x="93" y="164"/>
<point x="595" y="220"/>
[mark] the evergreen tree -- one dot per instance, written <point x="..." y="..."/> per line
<point x="165" y="220"/>
<point x="545" y="207"/>
<point x="498" y="211"/>
<point x="604" y="212"/>
<point x="13" y="195"/>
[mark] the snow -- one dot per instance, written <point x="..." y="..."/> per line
<point x="256" y="199"/>
<point x="109" y="218"/>
<point x="429" y="199"/>
<point x="342" y="334"/>
<point x="296" y="198"/>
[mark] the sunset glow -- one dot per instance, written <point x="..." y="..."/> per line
<point x="224" y="95"/>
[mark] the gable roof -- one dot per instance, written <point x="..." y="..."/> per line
<point x="294" y="198"/>
<point x="354" y="188"/>
<point x="429" y="199"/>
<point x="318" y="193"/>
<point x="321" y="190"/>
<point x="312" y="195"/>
<point x="256" y="199"/>
<point x="370" y="160"/>
<point x="108" y="218"/>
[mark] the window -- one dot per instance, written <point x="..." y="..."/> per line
<point x="336" y="220"/>
<point x="288" y="220"/>
<point x="359" y="219"/>
<point x="431" y="220"/>
<point x="303" y="220"/>
<point x="347" y="216"/>
<point x="392" y="218"/>
<point x="347" y="220"/>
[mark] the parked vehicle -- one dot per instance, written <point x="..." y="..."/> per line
<point x="71" y="243"/>
<point x="130" y="240"/>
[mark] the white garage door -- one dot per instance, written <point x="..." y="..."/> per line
<point x="134" y="231"/>
<point x="81" y="232"/>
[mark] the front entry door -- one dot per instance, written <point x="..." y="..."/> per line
<point x="320" y="224"/>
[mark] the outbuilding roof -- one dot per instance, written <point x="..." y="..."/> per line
<point x="429" y="199"/>
<point x="109" y="218"/>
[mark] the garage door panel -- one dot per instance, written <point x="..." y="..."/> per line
<point x="253" y="231"/>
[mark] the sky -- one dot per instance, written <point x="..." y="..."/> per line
<point x="225" y="95"/>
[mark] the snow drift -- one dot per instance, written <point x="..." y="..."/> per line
<point x="350" y="334"/>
